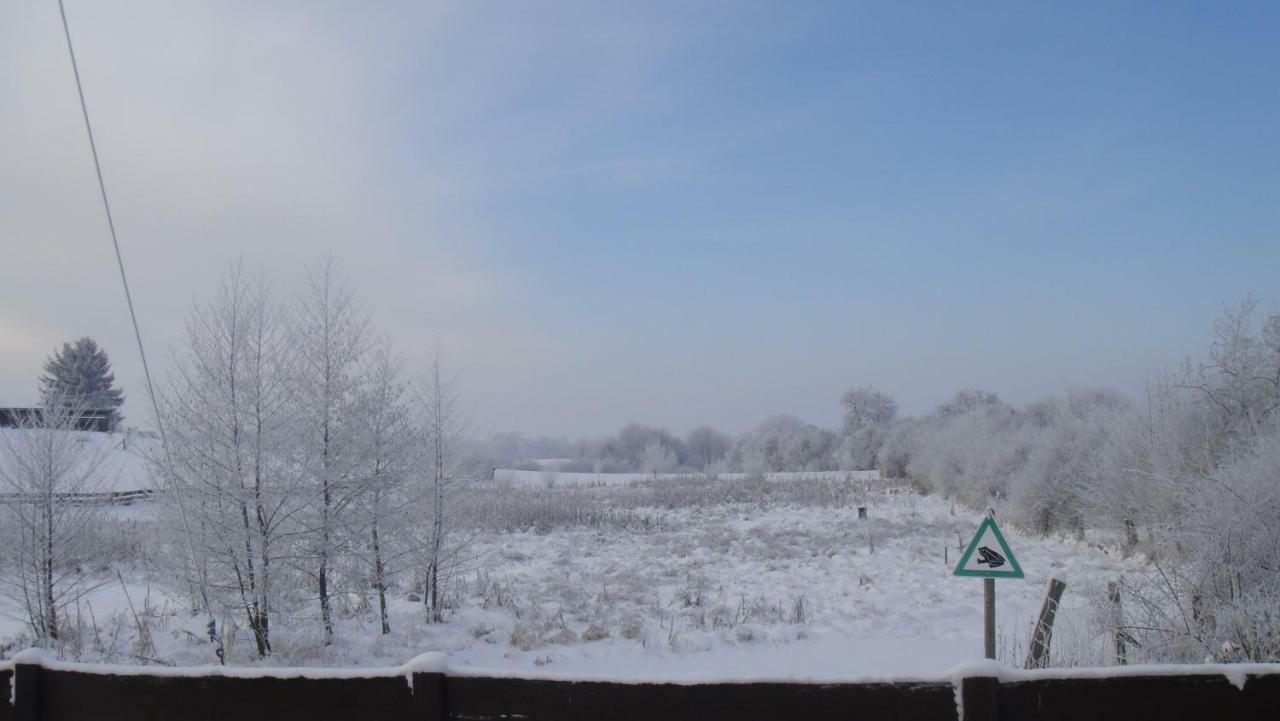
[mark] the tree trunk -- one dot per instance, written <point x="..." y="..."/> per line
<point x="431" y="594"/>
<point x="380" y="581"/>
<point x="252" y="608"/>
<point x="259" y="514"/>
<point x="51" y="617"/>
<point x="322" y="576"/>
<point x="326" y="614"/>
<point x="264" y="589"/>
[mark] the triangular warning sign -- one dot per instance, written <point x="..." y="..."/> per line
<point x="988" y="555"/>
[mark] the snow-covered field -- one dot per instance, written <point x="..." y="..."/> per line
<point x="782" y="592"/>
<point x="721" y="590"/>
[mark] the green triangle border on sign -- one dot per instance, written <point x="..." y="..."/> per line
<point x="1015" y="570"/>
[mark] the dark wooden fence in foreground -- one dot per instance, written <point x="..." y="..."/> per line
<point x="63" y="694"/>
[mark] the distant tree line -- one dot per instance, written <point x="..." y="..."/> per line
<point x="780" y="443"/>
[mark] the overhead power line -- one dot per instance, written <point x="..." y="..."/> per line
<point x="137" y="334"/>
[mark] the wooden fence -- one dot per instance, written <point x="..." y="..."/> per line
<point x="65" y="691"/>
<point x="105" y="498"/>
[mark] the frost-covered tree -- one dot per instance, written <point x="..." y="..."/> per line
<point x="392" y="455"/>
<point x="1197" y="466"/>
<point x="1240" y="382"/>
<point x="657" y="458"/>
<point x="49" y="537"/>
<point x="868" y="414"/>
<point x="627" y="451"/>
<point x="445" y="430"/>
<point x="231" y="411"/>
<point x="707" y="447"/>
<point x="1231" y="532"/>
<point x="786" y="443"/>
<point x="330" y="340"/>
<point x="867" y="406"/>
<point x="900" y="442"/>
<point x="1061" y="474"/>
<point x="79" y="375"/>
<point x="969" y="454"/>
<point x="967" y="401"/>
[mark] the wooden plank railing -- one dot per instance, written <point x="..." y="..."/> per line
<point x="105" y="498"/>
<point x="61" y="692"/>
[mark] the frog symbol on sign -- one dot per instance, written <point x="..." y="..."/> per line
<point x="989" y="557"/>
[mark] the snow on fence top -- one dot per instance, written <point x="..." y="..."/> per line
<point x="423" y="663"/>
<point x="557" y="478"/>
<point x="435" y="662"/>
<point x="1235" y="673"/>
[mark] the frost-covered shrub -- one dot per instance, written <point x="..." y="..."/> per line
<point x="1215" y="591"/>
<point x="1231" y="534"/>
<point x="632" y="628"/>
<point x="493" y="592"/>
<point x="526" y="636"/>
<point x="595" y="632"/>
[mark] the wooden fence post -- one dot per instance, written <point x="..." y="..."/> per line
<point x="1117" y="622"/>
<point x="980" y="698"/>
<point x="428" y="696"/>
<point x="1038" y="654"/>
<point x="26" y="691"/>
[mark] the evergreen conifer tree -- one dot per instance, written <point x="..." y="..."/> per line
<point x="79" y="375"/>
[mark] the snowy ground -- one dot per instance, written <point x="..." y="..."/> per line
<point x="734" y="590"/>
<point x="789" y="592"/>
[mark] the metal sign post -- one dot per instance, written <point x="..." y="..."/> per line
<point x="989" y="557"/>
<point x="989" y="617"/>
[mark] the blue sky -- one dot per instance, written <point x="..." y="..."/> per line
<point x="673" y="213"/>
